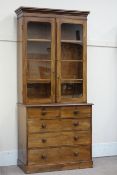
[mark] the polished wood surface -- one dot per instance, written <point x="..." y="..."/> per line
<point x="55" y="139"/>
<point x="59" y="155"/>
<point x="37" y="125"/>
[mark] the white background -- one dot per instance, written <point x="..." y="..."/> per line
<point x="102" y="72"/>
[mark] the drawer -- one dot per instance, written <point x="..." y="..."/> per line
<point x="37" y="125"/>
<point x="43" y="156"/>
<point x="59" y="155"/>
<point x="75" y="154"/>
<point x="76" y="124"/>
<point x="59" y="139"/>
<point x="75" y="112"/>
<point x="44" y="112"/>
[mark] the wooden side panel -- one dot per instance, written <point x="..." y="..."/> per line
<point x="19" y="60"/>
<point x="21" y="67"/>
<point x="85" y="61"/>
<point x="22" y="134"/>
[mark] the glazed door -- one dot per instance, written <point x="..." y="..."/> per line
<point x="40" y="60"/>
<point x="71" y="60"/>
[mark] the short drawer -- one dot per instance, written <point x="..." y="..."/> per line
<point x="75" y="154"/>
<point x="43" y="112"/>
<point x="43" y="156"/>
<point x="59" y="139"/>
<point x="80" y="124"/>
<point x="75" y="112"/>
<point x="59" y="155"/>
<point x="37" y="125"/>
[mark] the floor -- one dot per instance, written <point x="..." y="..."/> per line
<point x="102" y="166"/>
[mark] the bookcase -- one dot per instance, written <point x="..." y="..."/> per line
<point x="54" y="118"/>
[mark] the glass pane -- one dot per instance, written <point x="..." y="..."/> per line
<point x="39" y="50"/>
<point x="71" y="51"/>
<point x="71" y="31"/>
<point x="38" y="90"/>
<point x="71" y="60"/>
<point x="39" y="30"/>
<point x="71" y="70"/>
<point x="71" y="90"/>
<point x="39" y="69"/>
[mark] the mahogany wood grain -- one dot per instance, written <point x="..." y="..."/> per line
<point x="36" y="125"/>
<point x="57" y="139"/>
<point x="59" y="155"/>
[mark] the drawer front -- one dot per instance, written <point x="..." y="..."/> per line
<point x="75" y="112"/>
<point x="59" y="155"/>
<point x="37" y="125"/>
<point x="44" y="112"/>
<point x="75" y="154"/>
<point x="43" y="156"/>
<point x="76" y="124"/>
<point x="58" y="139"/>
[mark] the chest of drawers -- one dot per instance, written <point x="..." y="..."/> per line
<point x="55" y="137"/>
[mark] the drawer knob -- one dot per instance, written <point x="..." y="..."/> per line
<point x="44" y="140"/>
<point x="76" y="154"/>
<point x="76" y="112"/>
<point x="76" y="138"/>
<point x="44" y="157"/>
<point x="43" y="126"/>
<point x="43" y="113"/>
<point x="76" y="123"/>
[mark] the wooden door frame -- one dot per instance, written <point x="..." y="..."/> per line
<point x="52" y="22"/>
<point x="58" y="82"/>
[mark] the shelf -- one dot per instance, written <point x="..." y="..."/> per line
<point x="38" y="40"/>
<point x="72" y="41"/>
<point x="72" y="80"/>
<point x="38" y="81"/>
<point x="73" y="60"/>
<point x="37" y="60"/>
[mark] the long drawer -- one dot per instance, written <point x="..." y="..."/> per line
<point x="59" y="139"/>
<point x="36" y="125"/>
<point x="59" y="155"/>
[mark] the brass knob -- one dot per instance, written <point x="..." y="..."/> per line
<point x="76" y="123"/>
<point x="43" y="108"/>
<point x="44" y="140"/>
<point x="76" y="154"/>
<point x="43" y="113"/>
<point x="76" y="138"/>
<point x="44" y="157"/>
<point x="43" y="125"/>
<point x="76" y="112"/>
